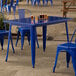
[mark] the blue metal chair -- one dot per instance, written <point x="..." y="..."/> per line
<point x="22" y="30"/>
<point x="28" y="2"/>
<point x="4" y="33"/>
<point x="7" y="6"/>
<point x="45" y="2"/>
<point x="3" y="5"/>
<point x="38" y="2"/>
<point x="14" y="6"/>
<point x="51" y="2"/>
<point x="70" y="49"/>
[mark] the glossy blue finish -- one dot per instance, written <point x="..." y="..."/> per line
<point x="26" y="22"/>
<point x="14" y="6"/>
<point x="67" y="54"/>
<point x="69" y="48"/>
<point x="33" y="45"/>
<point x="23" y="31"/>
<point x="9" y="38"/>
<point x="44" y="37"/>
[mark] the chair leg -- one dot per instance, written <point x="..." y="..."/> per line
<point x="44" y="37"/>
<point x="43" y="2"/>
<point x="67" y="59"/>
<point x="22" y="42"/>
<point x="46" y="2"/>
<point x="34" y="2"/>
<point x="28" y="36"/>
<point x="51" y="2"/>
<point x="17" y="38"/>
<point x="27" y="1"/>
<point x="2" y="42"/>
<point x="38" y="2"/>
<point x="56" y="60"/>
<point x="12" y="44"/>
<point x="36" y="38"/>
<point x="8" y="8"/>
<point x="73" y="54"/>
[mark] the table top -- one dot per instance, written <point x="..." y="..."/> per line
<point x="27" y="21"/>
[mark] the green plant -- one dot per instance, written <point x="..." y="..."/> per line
<point x="2" y="26"/>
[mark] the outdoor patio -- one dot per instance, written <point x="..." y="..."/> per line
<point x="19" y="64"/>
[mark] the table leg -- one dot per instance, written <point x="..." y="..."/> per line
<point x="9" y="36"/>
<point x="67" y="54"/>
<point x="44" y="37"/>
<point x="33" y="45"/>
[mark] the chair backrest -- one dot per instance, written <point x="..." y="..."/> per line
<point x="17" y="1"/>
<point x="73" y="36"/>
<point x="22" y="12"/>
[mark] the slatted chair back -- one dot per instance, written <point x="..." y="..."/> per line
<point x="3" y="3"/>
<point x="24" y="13"/>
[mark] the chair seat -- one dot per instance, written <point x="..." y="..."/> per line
<point x="24" y="29"/>
<point x="3" y="32"/>
<point x="67" y="45"/>
<point x="70" y="49"/>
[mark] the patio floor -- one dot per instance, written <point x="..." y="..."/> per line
<point x="19" y="64"/>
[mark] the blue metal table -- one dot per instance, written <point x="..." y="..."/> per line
<point x="41" y="23"/>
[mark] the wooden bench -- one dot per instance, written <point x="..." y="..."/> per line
<point x="67" y="7"/>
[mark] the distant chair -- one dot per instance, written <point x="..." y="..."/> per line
<point x="24" y="30"/>
<point x="38" y="2"/>
<point x="28" y="2"/>
<point x="5" y="5"/>
<point x="9" y="6"/>
<point x="51" y="2"/>
<point x="14" y="5"/>
<point x="70" y="49"/>
<point x="4" y="32"/>
<point x="45" y="2"/>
